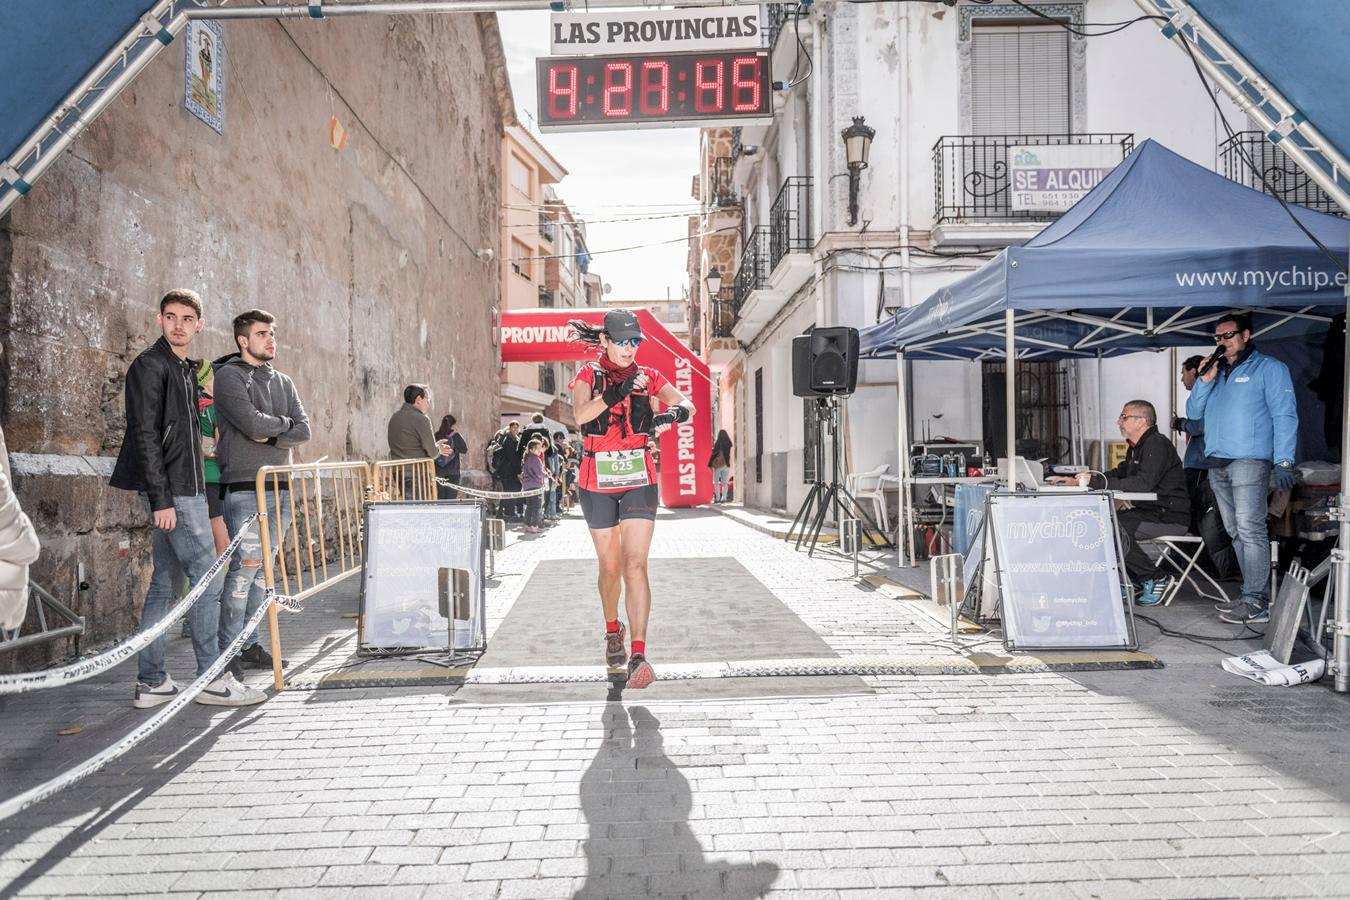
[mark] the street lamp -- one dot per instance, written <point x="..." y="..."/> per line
<point x="714" y="281"/>
<point x="857" y="146"/>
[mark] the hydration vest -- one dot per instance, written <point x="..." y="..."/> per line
<point x="639" y="410"/>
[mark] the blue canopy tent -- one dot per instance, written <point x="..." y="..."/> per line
<point x="1149" y="259"/>
<point x="1146" y="260"/>
<point x="1285" y="65"/>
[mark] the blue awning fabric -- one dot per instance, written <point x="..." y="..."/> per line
<point x="1147" y="260"/>
<point x="46" y="50"/>
<point x="1299" y="48"/>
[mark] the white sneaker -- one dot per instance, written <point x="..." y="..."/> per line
<point x="225" y="691"/>
<point x="148" y="697"/>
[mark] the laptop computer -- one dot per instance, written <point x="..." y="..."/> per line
<point x="1031" y="477"/>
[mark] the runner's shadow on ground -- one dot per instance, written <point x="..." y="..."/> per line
<point x="637" y="804"/>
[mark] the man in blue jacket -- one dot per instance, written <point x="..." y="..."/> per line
<point x="1251" y="425"/>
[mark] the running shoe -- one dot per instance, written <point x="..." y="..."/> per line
<point x="615" y="654"/>
<point x="148" y="697"/>
<point x="1154" y="591"/>
<point x="226" y="691"/>
<point x="640" y="672"/>
<point x="1246" y="615"/>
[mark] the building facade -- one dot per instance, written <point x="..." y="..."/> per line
<point x="368" y="253"/>
<point x="948" y="91"/>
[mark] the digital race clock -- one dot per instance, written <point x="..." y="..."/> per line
<point x="578" y="93"/>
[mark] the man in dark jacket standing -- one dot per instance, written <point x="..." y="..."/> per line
<point x="260" y="418"/>
<point x="161" y="457"/>
<point x="1151" y="466"/>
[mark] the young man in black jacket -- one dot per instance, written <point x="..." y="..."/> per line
<point x="161" y="457"/>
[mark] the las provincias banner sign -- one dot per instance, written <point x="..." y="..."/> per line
<point x="654" y="31"/>
<point x="543" y="335"/>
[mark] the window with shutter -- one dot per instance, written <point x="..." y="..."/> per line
<point x="1020" y="80"/>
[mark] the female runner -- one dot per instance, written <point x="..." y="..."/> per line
<point x="611" y="398"/>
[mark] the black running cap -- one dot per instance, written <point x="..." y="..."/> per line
<point x="622" y="325"/>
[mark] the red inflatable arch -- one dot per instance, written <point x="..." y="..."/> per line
<point x="542" y="335"/>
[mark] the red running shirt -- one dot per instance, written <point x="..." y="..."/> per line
<point x="620" y="434"/>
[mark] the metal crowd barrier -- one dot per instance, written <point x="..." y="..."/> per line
<point x="322" y="544"/>
<point x="404" y="479"/>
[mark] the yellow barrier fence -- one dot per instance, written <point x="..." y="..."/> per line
<point x="322" y="543"/>
<point x="404" y="479"/>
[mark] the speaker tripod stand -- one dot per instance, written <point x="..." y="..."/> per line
<point x="832" y="495"/>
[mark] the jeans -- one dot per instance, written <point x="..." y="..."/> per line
<point x="244" y="590"/>
<point x="533" y="507"/>
<point x="1240" y="490"/>
<point x="191" y="546"/>
<point x="721" y="483"/>
<point x="550" y="501"/>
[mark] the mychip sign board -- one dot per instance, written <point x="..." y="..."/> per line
<point x="1052" y="178"/>
<point x="1057" y="562"/>
<point x="422" y="577"/>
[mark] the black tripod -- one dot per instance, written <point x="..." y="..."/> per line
<point x="824" y="497"/>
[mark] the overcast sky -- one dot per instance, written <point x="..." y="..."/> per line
<point x="636" y="175"/>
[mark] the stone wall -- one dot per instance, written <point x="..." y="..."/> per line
<point x="366" y="256"/>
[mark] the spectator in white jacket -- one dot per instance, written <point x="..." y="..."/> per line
<point x="18" y="549"/>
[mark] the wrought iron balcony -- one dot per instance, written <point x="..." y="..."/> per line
<point x="547" y="297"/>
<point x="753" y="272"/>
<point x="779" y="16"/>
<point x="1250" y="159"/>
<point x="547" y="227"/>
<point x="548" y="379"/>
<point x="971" y="177"/>
<point x="723" y="313"/>
<point x="721" y="188"/>
<point x="790" y="219"/>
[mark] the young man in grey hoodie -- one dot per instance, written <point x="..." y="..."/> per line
<point x="260" y="418"/>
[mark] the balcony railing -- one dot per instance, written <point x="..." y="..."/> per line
<point x="1250" y="159"/>
<point x="723" y="313"/>
<point x="779" y="16"/>
<point x="971" y="174"/>
<point x="547" y="227"/>
<point x="790" y="219"/>
<point x="548" y="379"/>
<point x="547" y="297"/>
<point x="722" y="190"/>
<point x="753" y="272"/>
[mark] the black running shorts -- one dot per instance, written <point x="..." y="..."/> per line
<point x="604" y="510"/>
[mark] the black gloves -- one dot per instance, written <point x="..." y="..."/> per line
<point x="671" y="416"/>
<point x="1284" y="478"/>
<point x="614" y="394"/>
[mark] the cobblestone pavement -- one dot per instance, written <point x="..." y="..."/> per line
<point x="1180" y="782"/>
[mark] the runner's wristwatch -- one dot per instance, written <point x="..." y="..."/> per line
<point x="1285" y="464"/>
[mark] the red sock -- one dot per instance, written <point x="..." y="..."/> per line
<point x="612" y="627"/>
<point x="639" y="648"/>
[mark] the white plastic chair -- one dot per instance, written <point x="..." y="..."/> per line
<point x="868" y="487"/>
<point x="1182" y="554"/>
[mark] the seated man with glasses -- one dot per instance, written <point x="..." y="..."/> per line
<point x="1251" y="432"/>
<point x="1151" y="466"/>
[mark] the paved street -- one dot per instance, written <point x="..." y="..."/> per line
<point x="1175" y="782"/>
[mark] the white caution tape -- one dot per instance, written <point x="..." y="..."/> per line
<point x="78" y="671"/>
<point x="289" y="604"/>
<point x="147" y="728"/>
<point x="491" y="495"/>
